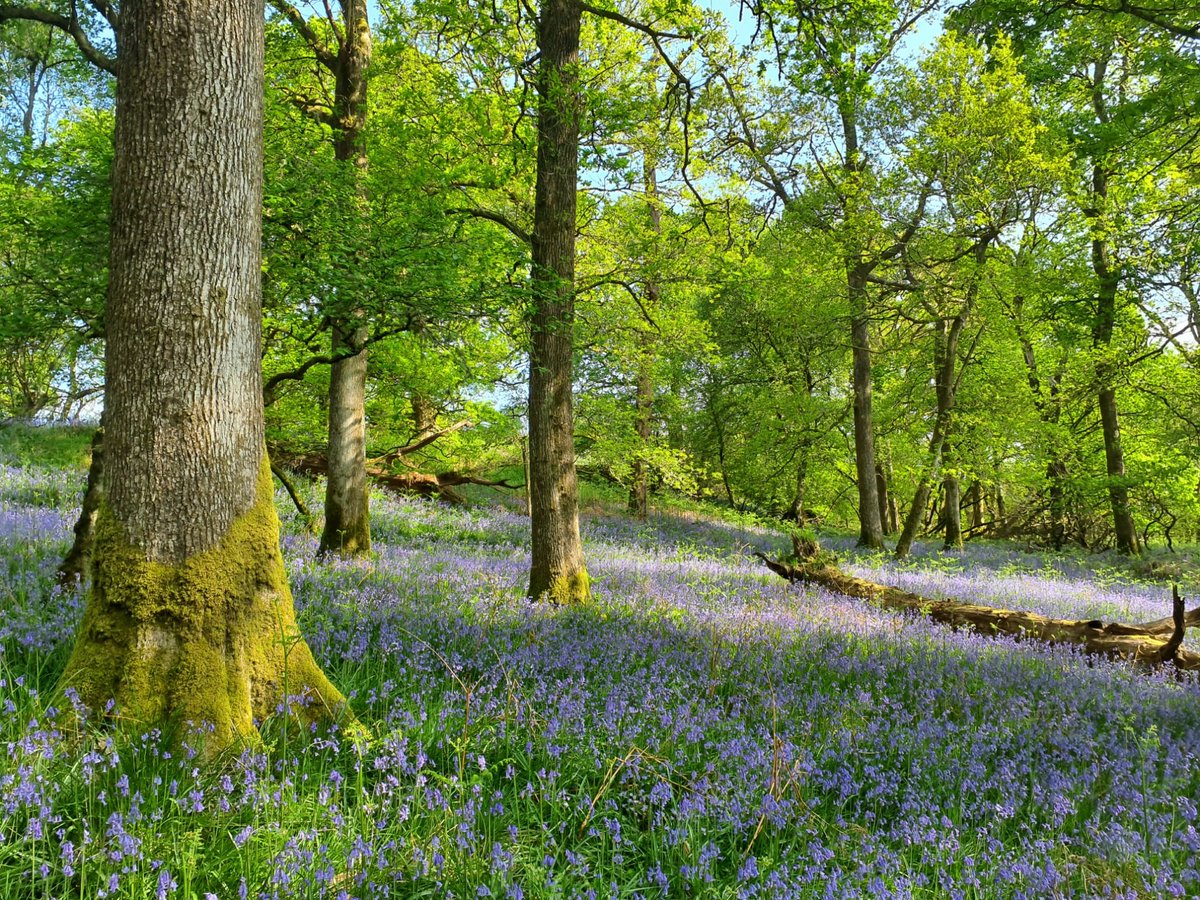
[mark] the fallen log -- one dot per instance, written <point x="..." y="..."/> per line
<point x="440" y="486"/>
<point x="1149" y="645"/>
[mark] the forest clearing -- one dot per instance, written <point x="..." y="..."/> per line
<point x="599" y="448"/>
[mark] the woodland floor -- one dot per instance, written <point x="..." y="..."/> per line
<point x="703" y="729"/>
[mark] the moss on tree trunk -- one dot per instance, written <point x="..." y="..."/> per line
<point x="208" y="642"/>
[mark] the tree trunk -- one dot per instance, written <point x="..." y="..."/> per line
<point x="944" y="350"/>
<point x="347" y="499"/>
<point x="946" y="337"/>
<point x="1118" y="493"/>
<point x="1108" y="282"/>
<point x="639" y="493"/>
<point x="1056" y="473"/>
<point x="347" y="502"/>
<point x="871" y="526"/>
<point x="881" y="488"/>
<point x="557" y="569"/>
<point x="912" y="521"/>
<point x="424" y="415"/>
<point x="190" y="618"/>
<point x="975" y="501"/>
<point x="952" y="513"/>
<point x="797" y="510"/>
<point x="74" y="565"/>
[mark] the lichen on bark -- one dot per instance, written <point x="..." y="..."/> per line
<point x="210" y="643"/>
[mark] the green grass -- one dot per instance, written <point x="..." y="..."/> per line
<point x="45" y="446"/>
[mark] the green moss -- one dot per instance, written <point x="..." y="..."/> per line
<point x="210" y="640"/>
<point x="570" y="590"/>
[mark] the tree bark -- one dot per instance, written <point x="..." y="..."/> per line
<point x="952" y="512"/>
<point x="947" y="333"/>
<point x="881" y="488"/>
<point x="639" y="492"/>
<point x="871" y="525"/>
<point x="347" y="501"/>
<point x="190" y="618"/>
<point x="75" y="563"/>
<point x="944" y="350"/>
<point x="1108" y="282"/>
<point x="797" y="510"/>
<point x="557" y="570"/>
<point x="424" y="415"/>
<point x="975" y="501"/>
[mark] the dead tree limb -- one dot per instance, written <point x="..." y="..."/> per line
<point x="310" y="521"/>
<point x="440" y="486"/>
<point x="1147" y="646"/>
<point x="422" y="441"/>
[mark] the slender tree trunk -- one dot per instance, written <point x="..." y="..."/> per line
<point x="975" y="502"/>
<point x="1056" y="475"/>
<point x="347" y="492"/>
<point x="797" y="509"/>
<point x="912" y="521"/>
<point x="190" y="617"/>
<point x="639" y="493"/>
<point x="946" y="337"/>
<point x="347" y="498"/>
<point x="424" y="415"/>
<point x="1108" y="282"/>
<point x="952" y="512"/>
<point x="943" y="367"/>
<point x="881" y="488"/>
<point x="858" y="269"/>
<point x="1114" y="458"/>
<point x="1118" y="493"/>
<point x="74" y="565"/>
<point x="557" y="569"/>
<point x="871" y="526"/>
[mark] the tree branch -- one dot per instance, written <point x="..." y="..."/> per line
<point x="498" y="218"/>
<point x="396" y="452"/>
<point x="68" y="24"/>
<point x="325" y="56"/>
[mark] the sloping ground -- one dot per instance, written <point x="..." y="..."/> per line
<point x="704" y="729"/>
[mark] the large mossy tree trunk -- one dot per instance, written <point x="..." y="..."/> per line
<point x="347" y="491"/>
<point x="557" y="569"/>
<point x="190" y="619"/>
